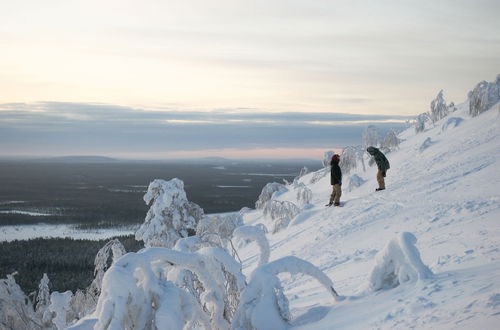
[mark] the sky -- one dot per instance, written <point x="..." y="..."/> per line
<point x="165" y="78"/>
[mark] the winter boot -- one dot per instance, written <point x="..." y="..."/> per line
<point x="378" y="189"/>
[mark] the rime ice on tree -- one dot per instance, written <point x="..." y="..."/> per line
<point x="170" y="216"/>
<point x="267" y="193"/>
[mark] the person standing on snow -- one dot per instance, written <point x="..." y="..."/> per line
<point x="336" y="181"/>
<point x="382" y="164"/>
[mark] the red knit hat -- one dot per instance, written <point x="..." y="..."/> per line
<point x="336" y="158"/>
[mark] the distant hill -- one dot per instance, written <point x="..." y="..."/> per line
<point x="78" y="159"/>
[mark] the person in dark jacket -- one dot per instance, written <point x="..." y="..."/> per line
<point x="382" y="164"/>
<point x="336" y="181"/>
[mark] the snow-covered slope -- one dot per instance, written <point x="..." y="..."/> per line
<point x="443" y="186"/>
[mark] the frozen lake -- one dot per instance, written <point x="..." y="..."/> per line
<point x="24" y="232"/>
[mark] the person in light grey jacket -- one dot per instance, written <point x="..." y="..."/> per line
<point x="382" y="164"/>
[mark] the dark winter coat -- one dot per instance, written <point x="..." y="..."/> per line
<point x="380" y="159"/>
<point x="335" y="173"/>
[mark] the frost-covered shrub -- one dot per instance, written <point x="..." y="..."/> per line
<point x="263" y="304"/>
<point x="282" y="212"/>
<point x="420" y="122"/>
<point x="439" y="109"/>
<point x="348" y="160"/>
<point x="257" y="234"/>
<point x="304" y="194"/>
<point x="112" y="248"/>
<point x="170" y="217"/>
<point x="318" y="175"/>
<point x="355" y="181"/>
<point x="222" y="225"/>
<point x="267" y="193"/>
<point x="452" y="107"/>
<point x="484" y="96"/>
<point x="452" y="123"/>
<point x="327" y="158"/>
<point x="391" y="141"/>
<point x="16" y="310"/>
<point x="397" y="263"/>
<point x="371" y="137"/>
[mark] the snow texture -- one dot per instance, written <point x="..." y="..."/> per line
<point x="397" y="263"/>
<point x="170" y="217"/>
<point x="426" y="144"/>
<point x="452" y="122"/>
<point x="354" y="182"/>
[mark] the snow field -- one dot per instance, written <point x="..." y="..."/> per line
<point x="446" y="195"/>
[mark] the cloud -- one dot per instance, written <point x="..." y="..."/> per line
<point x="88" y="128"/>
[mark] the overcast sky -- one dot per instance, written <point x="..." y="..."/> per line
<point x="220" y="69"/>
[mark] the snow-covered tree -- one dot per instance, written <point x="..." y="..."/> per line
<point x="391" y="141"/>
<point x="16" y="310"/>
<point x="420" y="122"/>
<point x="139" y="290"/>
<point x="222" y="225"/>
<point x="397" y="263"/>
<point x="112" y="248"/>
<point x="263" y="304"/>
<point x="43" y="295"/>
<point x="484" y="96"/>
<point x="439" y="109"/>
<point x="348" y="159"/>
<point x="371" y="136"/>
<point x="282" y="212"/>
<point x="60" y="309"/>
<point x="258" y="235"/>
<point x="267" y="193"/>
<point x="327" y="158"/>
<point x="304" y="194"/>
<point x="170" y="217"/>
<point x="452" y="107"/>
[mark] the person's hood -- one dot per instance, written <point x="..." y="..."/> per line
<point x="372" y="150"/>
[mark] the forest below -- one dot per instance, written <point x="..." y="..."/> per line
<point x="69" y="263"/>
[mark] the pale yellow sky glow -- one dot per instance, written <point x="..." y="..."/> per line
<point x="369" y="57"/>
<point x="283" y="153"/>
